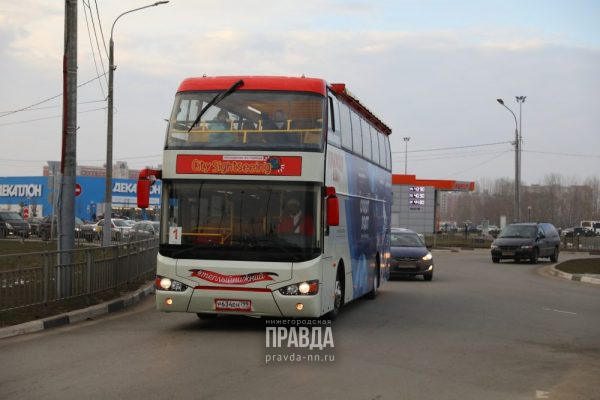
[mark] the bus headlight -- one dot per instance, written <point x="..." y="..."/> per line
<point x="301" y="289"/>
<point x="168" y="284"/>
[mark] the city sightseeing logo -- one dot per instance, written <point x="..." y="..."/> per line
<point x="239" y="166"/>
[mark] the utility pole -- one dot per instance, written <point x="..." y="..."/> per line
<point x="66" y="239"/>
<point x="406" y="139"/>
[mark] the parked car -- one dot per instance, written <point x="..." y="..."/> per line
<point x="526" y="241"/>
<point x="577" y="231"/>
<point x="144" y="230"/>
<point x="45" y="228"/>
<point x="34" y="225"/>
<point x="493" y="230"/>
<point x="120" y="229"/>
<point x="11" y="223"/>
<point x="409" y="255"/>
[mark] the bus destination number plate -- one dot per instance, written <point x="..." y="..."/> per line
<point x="233" y="305"/>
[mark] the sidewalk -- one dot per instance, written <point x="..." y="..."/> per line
<point x="78" y="315"/>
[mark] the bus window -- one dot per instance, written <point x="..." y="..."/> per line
<point x="356" y="133"/>
<point x="345" y="126"/>
<point x="334" y="135"/>
<point x="366" y="140"/>
<point x="388" y="155"/>
<point x="382" y="153"/>
<point x="258" y="120"/>
<point x="374" y="144"/>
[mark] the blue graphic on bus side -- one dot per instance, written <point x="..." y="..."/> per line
<point x="367" y="209"/>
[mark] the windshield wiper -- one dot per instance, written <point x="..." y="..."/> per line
<point x="215" y="100"/>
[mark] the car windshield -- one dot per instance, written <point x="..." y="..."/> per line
<point x="248" y="120"/>
<point x="120" y="223"/>
<point x="519" y="231"/>
<point x="259" y="221"/>
<point x="406" y="239"/>
<point x="7" y="215"/>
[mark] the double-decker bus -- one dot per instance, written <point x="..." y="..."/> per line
<point x="276" y="198"/>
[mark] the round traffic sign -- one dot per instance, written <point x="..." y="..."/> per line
<point x="77" y="189"/>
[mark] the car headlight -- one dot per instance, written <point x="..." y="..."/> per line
<point x="493" y="246"/>
<point x="301" y="289"/>
<point x="529" y="247"/>
<point x="427" y="257"/>
<point x="9" y="226"/>
<point x="162" y="283"/>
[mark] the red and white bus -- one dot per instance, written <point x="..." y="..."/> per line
<point x="276" y="198"/>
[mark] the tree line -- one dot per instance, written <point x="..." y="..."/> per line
<point x="564" y="202"/>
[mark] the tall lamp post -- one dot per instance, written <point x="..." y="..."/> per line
<point x="106" y="241"/>
<point x="517" y="210"/>
<point x="406" y="139"/>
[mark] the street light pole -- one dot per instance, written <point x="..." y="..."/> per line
<point x="107" y="230"/>
<point x="517" y="211"/>
<point x="406" y="139"/>
<point x="520" y="100"/>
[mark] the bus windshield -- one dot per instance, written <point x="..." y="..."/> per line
<point x="246" y="119"/>
<point x="231" y="220"/>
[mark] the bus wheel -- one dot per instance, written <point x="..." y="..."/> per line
<point x="373" y="293"/>
<point x="338" y="293"/>
<point x="206" y="316"/>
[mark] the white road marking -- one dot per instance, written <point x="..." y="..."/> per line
<point x="540" y="394"/>
<point x="560" y="311"/>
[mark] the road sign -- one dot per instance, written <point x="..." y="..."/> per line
<point x="77" y="189"/>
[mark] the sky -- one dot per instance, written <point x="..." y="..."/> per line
<point x="431" y="70"/>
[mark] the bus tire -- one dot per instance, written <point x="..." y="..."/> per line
<point x="339" y="292"/>
<point x="373" y="293"/>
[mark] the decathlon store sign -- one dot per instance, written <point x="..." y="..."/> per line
<point x="31" y="190"/>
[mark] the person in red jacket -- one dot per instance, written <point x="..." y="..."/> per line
<point x="295" y="221"/>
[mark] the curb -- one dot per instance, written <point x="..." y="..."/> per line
<point x="78" y="315"/>
<point x="593" y="279"/>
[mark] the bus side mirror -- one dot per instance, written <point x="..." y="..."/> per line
<point x="143" y="193"/>
<point x="333" y="207"/>
<point x="146" y="179"/>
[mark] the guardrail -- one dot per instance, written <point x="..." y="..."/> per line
<point x="39" y="278"/>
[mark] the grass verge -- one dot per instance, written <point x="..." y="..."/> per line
<point x="32" y="313"/>
<point x="580" y="266"/>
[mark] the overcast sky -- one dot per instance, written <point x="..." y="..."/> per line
<point x="432" y="70"/>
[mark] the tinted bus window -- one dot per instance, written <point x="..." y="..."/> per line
<point x="345" y="126"/>
<point x="388" y="161"/>
<point x="382" y="153"/>
<point x="333" y="135"/>
<point x="356" y="133"/>
<point x="375" y="145"/>
<point x="366" y="140"/>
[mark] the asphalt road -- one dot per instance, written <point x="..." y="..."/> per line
<point x="477" y="331"/>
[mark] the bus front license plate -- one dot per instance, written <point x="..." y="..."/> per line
<point x="233" y="305"/>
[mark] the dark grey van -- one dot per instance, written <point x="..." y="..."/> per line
<point x="526" y="241"/>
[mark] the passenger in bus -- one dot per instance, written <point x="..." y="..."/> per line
<point x="223" y="123"/>
<point x="294" y="220"/>
<point x="279" y="122"/>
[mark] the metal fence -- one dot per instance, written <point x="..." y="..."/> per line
<point x="38" y="278"/>
<point x="577" y="243"/>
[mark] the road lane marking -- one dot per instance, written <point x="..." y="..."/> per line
<point x="540" y="394"/>
<point x="560" y="311"/>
